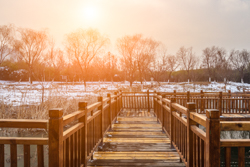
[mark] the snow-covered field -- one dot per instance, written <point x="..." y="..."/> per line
<point x="22" y="93"/>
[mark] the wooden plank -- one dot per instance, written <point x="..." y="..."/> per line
<point x="235" y="125"/>
<point x="137" y="125"/>
<point x="72" y="117"/>
<point x="136" y="140"/>
<point x="136" y="118"/>
<point x="235" y="142"/>
<point x="200" y="119"/>
<point x="23" y="123"/>
<point x="24" y="140"/>
<point x="136" y="133"/>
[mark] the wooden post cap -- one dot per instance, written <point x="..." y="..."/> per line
<point x="115" y="93"/>
<point x="201" y="91"/>
<point x="213" y="113"/>
<point x="108" y="95"/>
<point x="174" y="91"/>
<point x="82" y="105"/>
<point x="191" y="105"/>
<point x="220" y="94"/>
<point x="56" y="113"/>
<point x="99" y="98"/>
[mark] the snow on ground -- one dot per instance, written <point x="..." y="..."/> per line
<point x="22" y="93"/>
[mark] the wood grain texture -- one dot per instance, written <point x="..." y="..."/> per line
<point x="136" y="141"/>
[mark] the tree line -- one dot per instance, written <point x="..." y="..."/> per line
<point x="28" y="54"/>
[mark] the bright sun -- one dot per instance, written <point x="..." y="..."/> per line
<point x="90" y="13"/>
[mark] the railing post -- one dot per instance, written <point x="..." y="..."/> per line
<point x="83" y="106"/>
<point x="56" y="137"/>
<point x="158" y="107"/>
<point x="162" y="111"/>
<point x="229" y="101"/>
<point x="172" y="100"/>
<point x="202" y="102"/>
<point x="121" y="99"/>
<point x="220" y="103"/>
<point x="116" y="105"/>
<point x="190" y="122"/>
<point x="188" y="96"/>
<point x="100" y="99"/>
<point x="213" y="138"/>
<point x="148" y="101"/>
<point x="110" y="109"/>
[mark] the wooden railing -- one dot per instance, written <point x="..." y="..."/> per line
<point x="72" y="139"/>
<point x="196" y="147"/>
<point x="25" y="141"/>
<point x="237" y="103"/>
<point x="138" y="100"/>
<point x="67" y="147"/>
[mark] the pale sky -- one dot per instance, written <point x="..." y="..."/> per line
<point x="176" y="23"/>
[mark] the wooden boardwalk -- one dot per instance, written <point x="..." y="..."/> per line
<point x="136" y="139"/>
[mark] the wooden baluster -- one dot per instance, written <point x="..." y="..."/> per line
<point x="241" y="156"/>
<point x="163" y="115"/>
<point x="40" y="157"/>
<point x="213" y="138"/>
<point x="148" y="100"/>
<point x="202" y="102"/>
<point x="220" y="103"/>
<point x="2" y="155"/>
<point x="67" y="153"/>
<point x="110" y="109"/>
<point x="228" y="156"/>
<point x="172" y="100"/>
<point x="56" y="137"/>
<point x="188" y="96"/>
<point x="116" y="104"/>
<point x="71" y="143"/>
<point x="201" y="152"/>
<point x="100" y="99"/>
<point x="121" y="100"/>
<point x="82" y="106"/>
<point x="26" y="153"/>
<point x="13" y="155"/>
<point x="190" y="139"/>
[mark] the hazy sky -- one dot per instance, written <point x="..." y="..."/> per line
<point x="176" y="23"/>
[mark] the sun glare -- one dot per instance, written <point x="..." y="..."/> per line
<point x="90" y="13"/>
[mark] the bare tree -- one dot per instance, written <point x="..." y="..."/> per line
<point x="221" y="64"/>
<point x="127" y="46"/>
<point x="137" y="54"/>
<point x="158" y="68"/>
<point x="6" y="41"/>
<point x="187" y="59"/>
<point x="240" y="61"/>
<point x="54" y="59"/>
<point x="172" y="64"/>
<point x="209" y="57"/>
<point x="146" y="51"/>
<point x="83" y="45"/>
<point x="30" y="47"/>
<point x="111" y="65"/>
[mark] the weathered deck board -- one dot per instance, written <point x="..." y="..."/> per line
<point x="136" y="139"/>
